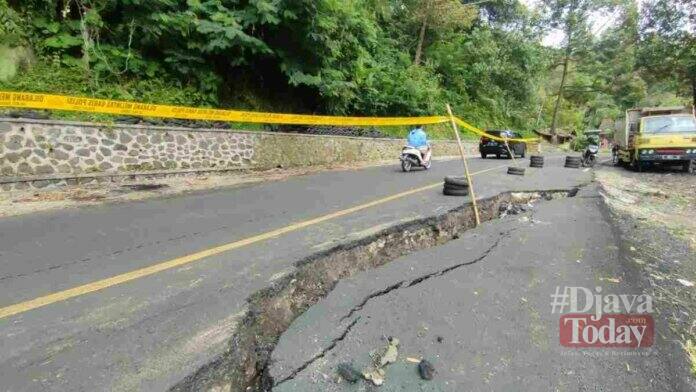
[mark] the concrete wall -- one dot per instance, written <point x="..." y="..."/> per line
<point x="33" y="151"/>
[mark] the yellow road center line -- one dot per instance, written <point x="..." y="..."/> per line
<point x="63" y="295"/>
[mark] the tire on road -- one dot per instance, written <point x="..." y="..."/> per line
<point x="573" y="162"/>
<point x="536" y="161"/>
<point x="455" y="192"/>
<point x="455" y="187"/>
<point x="517" y="171"/>
<point x="456" y="181"/>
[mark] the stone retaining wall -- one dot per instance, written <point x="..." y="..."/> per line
<point x="41" y="152"/>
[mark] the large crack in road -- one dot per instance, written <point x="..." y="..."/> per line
<point x="389" y="289"/>
<point x="244" y="366"/>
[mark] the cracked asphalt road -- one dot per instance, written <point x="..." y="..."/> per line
<point x="148" y="334"/>
<point x="478" y="308"/>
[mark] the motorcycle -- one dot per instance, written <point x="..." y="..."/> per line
<point x="412" y="156"/>
<point x="589" y="157"/>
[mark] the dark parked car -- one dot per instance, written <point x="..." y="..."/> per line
<point x="493" y="147"/>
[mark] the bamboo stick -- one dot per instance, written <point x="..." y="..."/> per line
<point x="466" y="166"/>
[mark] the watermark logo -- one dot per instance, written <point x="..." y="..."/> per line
<point x="592" y="319"/>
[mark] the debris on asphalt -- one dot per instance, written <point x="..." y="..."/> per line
<point x="390" y="353"/>
<point x="506" y="209"/>
<point x="685" y="282"/>
<point x="349" y="373"/>
<point x="440" y="339"/>
<point x="426" y="370"/>
<point x="375" y="375"/>
<point x="611" y="280"/>
<point x="413" y="360"/>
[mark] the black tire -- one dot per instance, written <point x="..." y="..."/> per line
<point x="534" y="164"/>
<point x="524" y="152"/>
<point x="483" y="156"/>
<point x="455" y="192"/>
<point x="455" y="187"/>
<point x="689" y="167"/>
<point x="536" y="158"/>
<point x="572" y="165"/>
<point x="459" y="191"/>
<point x="590" y="161"/>
<point x="456" y="181"/>
<point x="406" y="166"/>
<point x="497" y="156"/>
<point x="518" y="171"/>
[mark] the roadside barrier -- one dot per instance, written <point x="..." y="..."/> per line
<point x="114" y="107"/>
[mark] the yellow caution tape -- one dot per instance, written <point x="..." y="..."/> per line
<point x="477" y="131"/>
<point x="107" y="106"/>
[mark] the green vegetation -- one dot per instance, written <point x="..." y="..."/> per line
<point x="363" y="57"/>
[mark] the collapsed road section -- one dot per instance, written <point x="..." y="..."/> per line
<point x="477" y="309"/>
<point x="245" y="364"/>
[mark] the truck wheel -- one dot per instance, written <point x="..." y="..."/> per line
<point x="688" y="167"/>
<point x="483" y="156"/>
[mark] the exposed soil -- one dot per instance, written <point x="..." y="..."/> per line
<point x="656" y="216"/>
<point x="666" y="198"/>
<point x="243" y="367"/>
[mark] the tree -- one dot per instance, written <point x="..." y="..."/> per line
<point x="438" y="16"/>
<point x="668" y="44"/>
<point x="570" y="16"/>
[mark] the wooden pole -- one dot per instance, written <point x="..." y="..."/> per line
<point x="466" y="167"/>
<point x="514" y="162"/>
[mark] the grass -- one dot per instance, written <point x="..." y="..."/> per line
<point x="690" y="348"/>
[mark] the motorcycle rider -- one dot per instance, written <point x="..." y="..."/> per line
<point x="419" y="139"/>
<point x="589" y="156"/>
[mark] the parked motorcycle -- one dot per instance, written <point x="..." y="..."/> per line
<point x="412" y="156"/>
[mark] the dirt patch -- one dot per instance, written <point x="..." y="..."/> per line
<point x="663" y="198"/>
<point x="243" y="367"/>
<point x="655" y="215"/>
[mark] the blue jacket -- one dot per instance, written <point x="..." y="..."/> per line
<point x="417" y="138"/>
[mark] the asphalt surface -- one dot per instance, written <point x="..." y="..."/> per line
<point x="148" y="333"/>
<point x="485" y="326"/>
